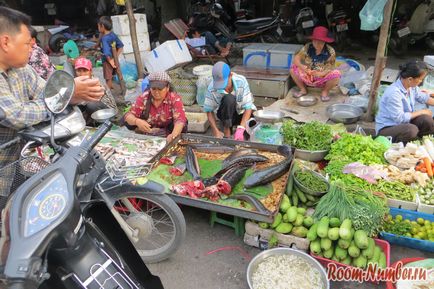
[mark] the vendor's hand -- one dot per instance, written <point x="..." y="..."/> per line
<point x="87" y="89"/>
<point x="170" y="138"/>
<point x="239" y="133"/>
<point x="143" y="125"/>
<point x="224" y="52"/>
<point x="112" y="63"/>
<point x="218" y="134"/>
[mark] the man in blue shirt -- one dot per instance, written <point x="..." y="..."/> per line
<point x="396" y="115"/>
<point x="107" y="39"/>
<point x="229" y="96"/>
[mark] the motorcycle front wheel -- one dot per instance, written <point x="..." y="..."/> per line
<point x="154" y="223"/>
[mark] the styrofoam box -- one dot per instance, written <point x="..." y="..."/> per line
<point x="130" y="56"/>
<point x="121" y="25"/>
<point x="142" y="39"/>
<point x="429" y="59"/>
<point x="281" y="55"/>
<point x="167" y="55"/>
<point x="257" y="55"/>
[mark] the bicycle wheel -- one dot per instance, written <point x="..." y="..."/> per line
<point x="154" y="224"/>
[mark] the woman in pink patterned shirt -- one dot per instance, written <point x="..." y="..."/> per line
<point x="158" y="111"/>
<point x="39" y="60"/>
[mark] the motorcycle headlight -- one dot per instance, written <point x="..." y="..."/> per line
<point x="45" y="204"/>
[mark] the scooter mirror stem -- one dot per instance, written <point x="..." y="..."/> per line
<point x="56" y="147"/>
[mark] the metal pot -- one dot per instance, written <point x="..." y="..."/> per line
<point x="285" y="251"/>
<point x="268" y="116"/>
<point x="311" y="156"/>
<point x="344" y="113"/>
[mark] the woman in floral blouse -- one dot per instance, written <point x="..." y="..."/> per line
<point x="158" y="111"/>
<point x="39" y="60"/>
<point x="314" y="65"/>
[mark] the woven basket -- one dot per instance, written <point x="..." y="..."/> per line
<point x="184" y="84"/>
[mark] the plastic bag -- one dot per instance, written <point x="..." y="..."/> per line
<point x="129" y="72"/>
<point x="371" y="15"/>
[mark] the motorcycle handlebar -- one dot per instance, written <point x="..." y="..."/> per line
<point x="10" y="143"/>
<point x="89" y="144"/>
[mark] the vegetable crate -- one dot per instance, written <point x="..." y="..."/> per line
<point x="399" y="204"/>
<point x="257" y="237"/>
<point x="417" y="244"/>
<point x="384" y="245"/>
<point x="423" y="208"/>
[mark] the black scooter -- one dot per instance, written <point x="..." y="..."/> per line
<point x="56" y="235"/>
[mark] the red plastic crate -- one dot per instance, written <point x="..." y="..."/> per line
<point x="384" y="245"/>
<point x="390" y="285"/>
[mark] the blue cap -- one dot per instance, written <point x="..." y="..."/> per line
<point x="220" y="75"/>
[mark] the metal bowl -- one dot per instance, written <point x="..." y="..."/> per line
<point x="285" y="251"/>
<point x="344" y="113"/>
<point x="104" y="114"/>
<point x="268" y="116"/>
<point x="307" y="100"/>
<point x="309" y="191"/>
<point x="311" y="156"/>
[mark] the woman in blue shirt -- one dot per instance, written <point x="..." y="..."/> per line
<point x="396" y="115"/>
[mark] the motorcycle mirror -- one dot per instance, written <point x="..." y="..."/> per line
<point x="58" y="91"/>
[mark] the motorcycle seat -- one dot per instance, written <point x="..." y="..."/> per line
<point x="253" y="22"/>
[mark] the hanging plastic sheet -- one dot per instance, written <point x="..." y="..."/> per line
<point x="371" y="15"/>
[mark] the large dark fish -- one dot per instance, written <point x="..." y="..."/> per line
<point x="191" y="163"/>
<point x="239" y="153"/>
<point x="212" y="148"/>
<point x="225" y="184"/>
<point x="271" y="173"/>
<point x="248" y="159"/>
<point x="259" y="207"/>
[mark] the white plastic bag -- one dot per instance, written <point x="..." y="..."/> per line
<point x="371" y="15"/>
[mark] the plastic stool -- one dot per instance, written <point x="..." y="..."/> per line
<point x="237" y="224"/>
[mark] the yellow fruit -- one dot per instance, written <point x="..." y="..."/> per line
<point x="414" y="223"/>
<point x="408" y="235"/>
<point x="414" y="231"/>
<point x="427" y="223"/>
<point x="421" y="235"/>
<point x="407" y="221"/>
<point x="420" y="221"/>
<point x="398" y="218"/>
<point x="389" y="218"/>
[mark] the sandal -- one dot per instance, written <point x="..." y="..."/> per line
<point x="325" y="98"/>
<point x="298" y="94"/>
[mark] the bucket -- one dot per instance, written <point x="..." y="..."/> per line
<point x="204" y="74"/>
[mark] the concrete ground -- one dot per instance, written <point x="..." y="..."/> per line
<point x="214" y="258"/>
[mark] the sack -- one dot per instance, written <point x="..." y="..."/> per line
<point x="371" y="15"/>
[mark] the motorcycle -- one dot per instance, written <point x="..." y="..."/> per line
<point x="305" y="21"/>
<point x="421" y="23"/>
<point x="64" y="227"/>
<point x="213" y="17"/>
<point x="338" y="21"/>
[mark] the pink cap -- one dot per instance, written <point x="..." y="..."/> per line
<point x="83" y="63"/>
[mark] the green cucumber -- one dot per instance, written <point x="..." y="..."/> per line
<point x="323" y="227"/>
<point x="311" y="235"/>
<point x="345" y="229"/>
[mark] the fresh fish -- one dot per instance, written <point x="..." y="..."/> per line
<point x="269" y="174"/>
<point x="168" y="160"/>
<point x="192" y="188"/>
<point x="259" y="207"/>
<point x="211" y="148"/>
<point x="225" y="184"/>
<point x="178" y="170"/>
<point x="244" y="159"/>
<point x="192" y="163"/>
<point x="239" y="153"/>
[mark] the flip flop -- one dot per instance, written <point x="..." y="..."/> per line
<point x="325" y="98"/>
<point x="298" y="94"/>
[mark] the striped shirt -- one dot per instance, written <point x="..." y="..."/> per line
<point x="21" y="100"/>
<point x="241" y="90"/>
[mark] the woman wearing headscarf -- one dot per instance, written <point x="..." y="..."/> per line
<point x="159" y="110"/>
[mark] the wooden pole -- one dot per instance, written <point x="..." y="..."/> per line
<point x="133" y="32"/>
<point x="380" y="60"/>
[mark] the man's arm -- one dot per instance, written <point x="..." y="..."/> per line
<point x="246" y="116"/>
<point x="19" y="113"/>
<point x="215" y="131"/>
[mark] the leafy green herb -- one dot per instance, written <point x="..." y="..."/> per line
<point x="312" y="136"/>
<point x="310" y="181"/>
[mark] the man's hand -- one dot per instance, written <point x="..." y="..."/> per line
<point x="112" y="63"/>
<point x="217" y="133"/>
<point x="426" y="112"/>
<point x="143" y="125"/>
<point x="239" y="133"/>
<point x="87" y="89"/>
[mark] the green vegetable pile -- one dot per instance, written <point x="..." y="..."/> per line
<point x="365" y="210"/>
<point x="357" y="148"/>
<point x="341" y="242"/>
<point x="311" y="136"/>
<point x="363" y="149"/>
<point x="310" y="181"/>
